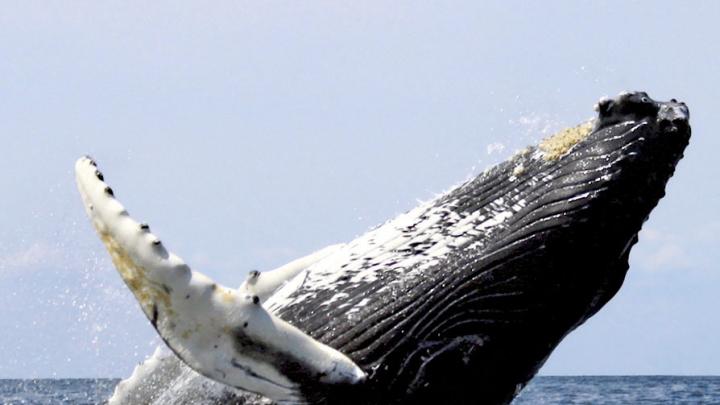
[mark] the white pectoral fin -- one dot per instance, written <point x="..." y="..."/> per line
<point x="222" y="333"/>
<point x="264" y="284"/>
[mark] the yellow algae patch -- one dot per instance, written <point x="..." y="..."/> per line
<point x="560" y="143"/>
<point x="146" y="292"/>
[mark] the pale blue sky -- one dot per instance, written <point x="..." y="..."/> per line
<point x="250" y="133"/>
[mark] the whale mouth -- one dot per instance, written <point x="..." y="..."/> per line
<point x="601" y="188"/>
<point x="619" y="165"/>
<point x="642" y="141"/>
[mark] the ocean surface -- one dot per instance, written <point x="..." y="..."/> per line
<point x="542" y="390"/>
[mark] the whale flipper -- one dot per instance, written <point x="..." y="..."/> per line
<point x="264" y="284"/>
<point x="223" y="333"/>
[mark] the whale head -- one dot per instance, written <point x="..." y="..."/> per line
<point x="550" y="245"/>
<point x="620" y="171"/>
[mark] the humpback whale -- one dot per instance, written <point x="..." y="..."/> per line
<point x="458" y="301"/>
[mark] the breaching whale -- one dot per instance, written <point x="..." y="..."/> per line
<point x="458" y="301"/>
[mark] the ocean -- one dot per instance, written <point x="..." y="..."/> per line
<point x="542" y="390"/>
<point x="608" y="390"/>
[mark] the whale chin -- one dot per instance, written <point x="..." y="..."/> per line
<point x="462" y="299"/>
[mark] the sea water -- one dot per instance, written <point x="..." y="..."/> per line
<point x="542" y="390"/>
<point x="621" y="390"/>
<point x="57" y="391"/>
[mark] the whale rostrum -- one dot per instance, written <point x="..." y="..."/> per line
<point x="457" y="301"/>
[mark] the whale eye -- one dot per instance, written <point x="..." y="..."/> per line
<point x="645" y="100"/>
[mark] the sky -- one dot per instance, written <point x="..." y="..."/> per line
<point x="251" y="133"/>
